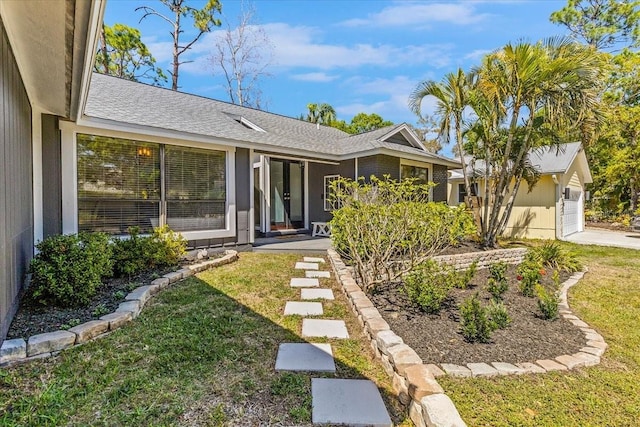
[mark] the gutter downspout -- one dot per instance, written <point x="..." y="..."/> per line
<point x="559" y="207"/>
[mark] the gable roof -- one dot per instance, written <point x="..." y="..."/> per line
<point x="547" y="160"/>
<point x="139" y="106"/>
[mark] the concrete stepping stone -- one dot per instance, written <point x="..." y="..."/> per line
<point x="347" y="402"/>
<point x="303" y="308"/>
<point x="305" y="357"/>
<point x="307" y="266"/>
<point x="303" y="282"/>
<point x="324" y="328"/>
<point x="312" y="259"/>
<point x="316" y="294"/>
<point x="315" y="273"/>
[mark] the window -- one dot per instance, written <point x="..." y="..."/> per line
<point x="462" y="193"/>
<point x="196" y="188"/>
<point x="124" y="183"/>
<point x="328" y="192"/>
<point x="118" y="184"/>
<point x="421" y="174"/>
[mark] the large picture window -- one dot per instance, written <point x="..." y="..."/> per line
<point x="125" y="183"/>
<point x="196" y="188"/>
<point x="420" y="174"/>
<point x="118" y="184"/>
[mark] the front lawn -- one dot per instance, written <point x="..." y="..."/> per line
<point x="201" y="353"/>
<point x="608" y="298"/>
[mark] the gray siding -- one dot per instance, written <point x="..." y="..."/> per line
<point x="440" y="177"/>
<point x="244" y="170"/>
<point x="317" y="172"/>
<point x="51" y="176"/>
<point x="16" y="195"/>
<point x="379" y="165"/>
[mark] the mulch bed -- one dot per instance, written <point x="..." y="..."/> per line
<point x="32" y="318"/>
<point x="436" y="337"/>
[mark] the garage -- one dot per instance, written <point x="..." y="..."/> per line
<point x="572" y="216"/>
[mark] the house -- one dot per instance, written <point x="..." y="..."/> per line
<point x="86" y="152"/>
<point x="554" y="207"/>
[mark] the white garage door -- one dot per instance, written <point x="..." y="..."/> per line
<point x="572" y="217"/>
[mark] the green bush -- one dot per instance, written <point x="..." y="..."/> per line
<point x="135" y="254"/>
<point x="498" y="271"/>
<point x="552" y="255"/>
<point x="548" y="300"/>
<point x="529" y="275"/>
<point x="498" y="314"/>
<point x="475" y="324"/>
<point x="465" y="277"/>
<point x="68" y="270"/>
<point x="386" y="228"/>
<point x="428" y="286"/>
<point x="497" y="288"/>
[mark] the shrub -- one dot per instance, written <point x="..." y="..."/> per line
<point x="386" y="228"/>
<point x="529" y="275"/>
<point x="497" y="288"/>
<point x="548" y="300"/>
<point x="498" y="271"/>
<point x="428" y="286"/>
<point x="498" y="314"/>
<point x="475" y="324"/>
<point x="465" y="277"/>
<point x="552" y="255"/>
<point x="136" y="253"/>
<point x="68" y="269"/>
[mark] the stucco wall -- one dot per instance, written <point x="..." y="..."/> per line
<point x="16" y="192"/>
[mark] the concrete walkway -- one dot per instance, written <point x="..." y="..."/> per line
<point x="334" y="401"/>
<point x="298" y="243"/>
<point x="606" y="238"/>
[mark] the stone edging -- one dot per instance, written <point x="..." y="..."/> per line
<point x="413" y="381"/>
<point x="51" y="343"/>
<point x="483" y="258"/>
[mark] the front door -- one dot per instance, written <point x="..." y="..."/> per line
<point x="287" y="194"/>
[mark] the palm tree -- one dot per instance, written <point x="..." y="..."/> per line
<point x="547" y="88"/>
<point x="452" y="96"/>
<point x="322" y="114"/>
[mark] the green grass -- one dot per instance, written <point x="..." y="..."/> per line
<point x="201" y="353"/>
<point x="608" y="298"/>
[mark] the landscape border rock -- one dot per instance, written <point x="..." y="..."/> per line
<point x="436" y="409"/>
<point x="19" y="350"/>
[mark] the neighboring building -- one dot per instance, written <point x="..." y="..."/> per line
<point x="82" y="151"/>
<point x="554" y="207"/>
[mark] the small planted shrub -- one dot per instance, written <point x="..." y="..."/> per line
<point x="529" y="275"/>
<point x="497" y="288"/>
<point x="68" y="269"/>
<point x="497" y="283"/>
<point x="428" y="286"/>
<point x="136" y="253"/>
<point x="465" y="277"/>
<point x="498" y="314"/>
<point x="552" y="255"/>
<point x="548" y="300"/>
<point x="475" y="324"/>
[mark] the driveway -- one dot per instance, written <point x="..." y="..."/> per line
<point x="606" y="238"/>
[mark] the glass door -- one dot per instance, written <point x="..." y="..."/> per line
<point x="287" y="194"/>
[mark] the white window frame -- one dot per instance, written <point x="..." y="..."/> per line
<point x="327" y="179"/>
<point x="69" y="162"/>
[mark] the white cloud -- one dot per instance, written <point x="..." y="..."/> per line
<point x="420" y="14"/>
<point x="477" y="54"/>
<point x="315" y="77"/>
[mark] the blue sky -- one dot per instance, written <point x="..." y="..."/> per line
<point x="359" y="56"/>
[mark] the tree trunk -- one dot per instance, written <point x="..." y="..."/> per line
<point x="103" y="50"/>
<point x="176" y="52"/>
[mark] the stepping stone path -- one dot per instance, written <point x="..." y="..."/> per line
<point x="334" y="401"/>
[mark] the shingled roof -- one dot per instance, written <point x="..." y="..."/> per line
<point x="139" y="105"/>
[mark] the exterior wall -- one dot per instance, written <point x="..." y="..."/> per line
<point x="16" y="190"/>
<point x="379" y="165"/>
<point x="317" y="172"/>
<point x="51" y="176"/>
<point x="440" y="177"/>
<point x="244" y="170"/>
<point x="534" y="213"/>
